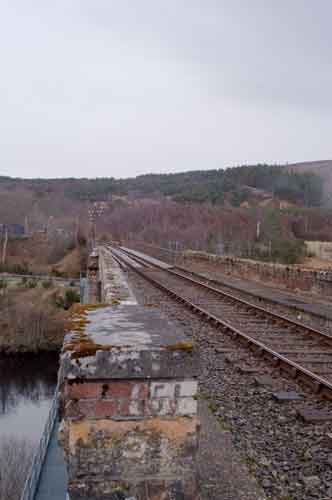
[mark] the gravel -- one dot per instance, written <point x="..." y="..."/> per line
<point x="251" y="446"/>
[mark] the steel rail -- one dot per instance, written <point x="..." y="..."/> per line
<point x="137" y="259"/>
<point x="317" y="384"/>
<point x="238" y="289"/>
<point x="252" y="294"/>
<point x="258" y="308"/>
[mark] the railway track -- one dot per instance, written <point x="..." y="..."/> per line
<point x="323" y="322"/>
<point x="303" y="352"/>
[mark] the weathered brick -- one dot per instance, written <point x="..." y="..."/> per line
<point x="166" y="389"/>
<point x="95" y="409"/>
<point x="72" y="410"/>
<point x="160" y="407"/>
<point x="171" y="407"/>
<point x="130" y="389"/>
<point x="132" y="447"/>
<point x="106" y="408"/>
<point x="186" y="406"/>
<point x="131" y="408"/>
<point x="84" y="390"/>
<point x="110" y="389"/>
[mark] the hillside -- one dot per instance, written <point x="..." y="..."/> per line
<point x="321" y="168"/>
<point x="231" y="186"/>
<point x="45" y="200"/>
<point x="216" y="210"/>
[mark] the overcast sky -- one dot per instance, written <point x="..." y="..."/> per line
<point x="123" y="87"/>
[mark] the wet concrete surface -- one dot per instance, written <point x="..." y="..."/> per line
<point x="131" y="325"/>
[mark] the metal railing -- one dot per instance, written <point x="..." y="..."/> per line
<point x="38" y="277"/>
<point x="32" y="480"/>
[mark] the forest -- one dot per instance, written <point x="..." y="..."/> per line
<point x="215" y="186"/>
<point x="232" y="185"/>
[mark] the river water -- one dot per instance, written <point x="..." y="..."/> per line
<point x="27" y="385"/>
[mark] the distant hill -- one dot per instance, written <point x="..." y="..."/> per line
<point x="45" y="201"/>
<point x="231" y="186"/>
<point x="323" y="169"/>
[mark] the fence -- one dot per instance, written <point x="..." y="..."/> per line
<point x="32" y="481"/>
<point x="84" y="290"/>
<point x="46" y="277"/>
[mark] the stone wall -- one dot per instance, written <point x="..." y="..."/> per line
<point x="290" y="277"/>
<point x="93" y="279"/>
<point x="113" y="285"/>
<point x="133" y="437"/>
<point x="320" y="249"/>
<point x="128" y="405"/>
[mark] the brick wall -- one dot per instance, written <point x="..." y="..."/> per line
<point x="134" y="437"/>
<point x="138" y="437"/>
<point x="122" y="399"/>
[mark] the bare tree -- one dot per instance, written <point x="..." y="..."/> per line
<point x="15" y="460"/>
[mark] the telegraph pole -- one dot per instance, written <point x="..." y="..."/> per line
<point x="4" y="248"/>
<point x="26" y="225"/>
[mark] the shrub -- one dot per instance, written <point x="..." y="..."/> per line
<point x="282" y="251"/>
<point x="15" y="268"/>
<point x="31" y="284"/>
<point x="24" y="281"/>
<point x="47" y="284"/>
<point x="70" y="298"/>
<point x="3" y="284"/>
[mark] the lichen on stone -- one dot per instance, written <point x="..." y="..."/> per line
<point x="79" y="343"/>
<point x="185" y="345"/>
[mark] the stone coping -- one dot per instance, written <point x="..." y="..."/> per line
<point x="124" y="341"/>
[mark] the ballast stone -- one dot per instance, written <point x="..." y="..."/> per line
<point x="284" y="396"/>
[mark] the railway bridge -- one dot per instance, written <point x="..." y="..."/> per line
<point x="123" y="424"/>
<point x="125" y="409"/>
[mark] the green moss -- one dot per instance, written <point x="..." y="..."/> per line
<point x="225" y="426"/>
<point x="180" y="346"/>
<point x="213" y="407"/>
<point x="80" y="344"/>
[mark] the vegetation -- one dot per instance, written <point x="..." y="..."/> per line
<point x="233" y="183"/>
<point x="3" y="284"/>
<point x="31" y="283"/>
<point x="15" y="268"/>
<point x="211" y="210"/>
<point x="15" y="459"/>
<point x="47" y="284"/>
<point x="276" y="241"/>
<point x="30" y="321"/>
<point x="214" y="186"/>
<point x="281" y="250"/>
<point x="70" y="297"/>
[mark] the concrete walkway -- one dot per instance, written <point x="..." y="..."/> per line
<point x="53" y="480"/>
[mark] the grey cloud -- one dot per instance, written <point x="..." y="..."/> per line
<point x="120" y="87"/>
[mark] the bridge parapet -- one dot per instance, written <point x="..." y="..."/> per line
<point x="128" y="402"/>
<point x="93" y="278"/>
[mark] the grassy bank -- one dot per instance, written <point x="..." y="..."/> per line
<point x="32" y="319"/>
